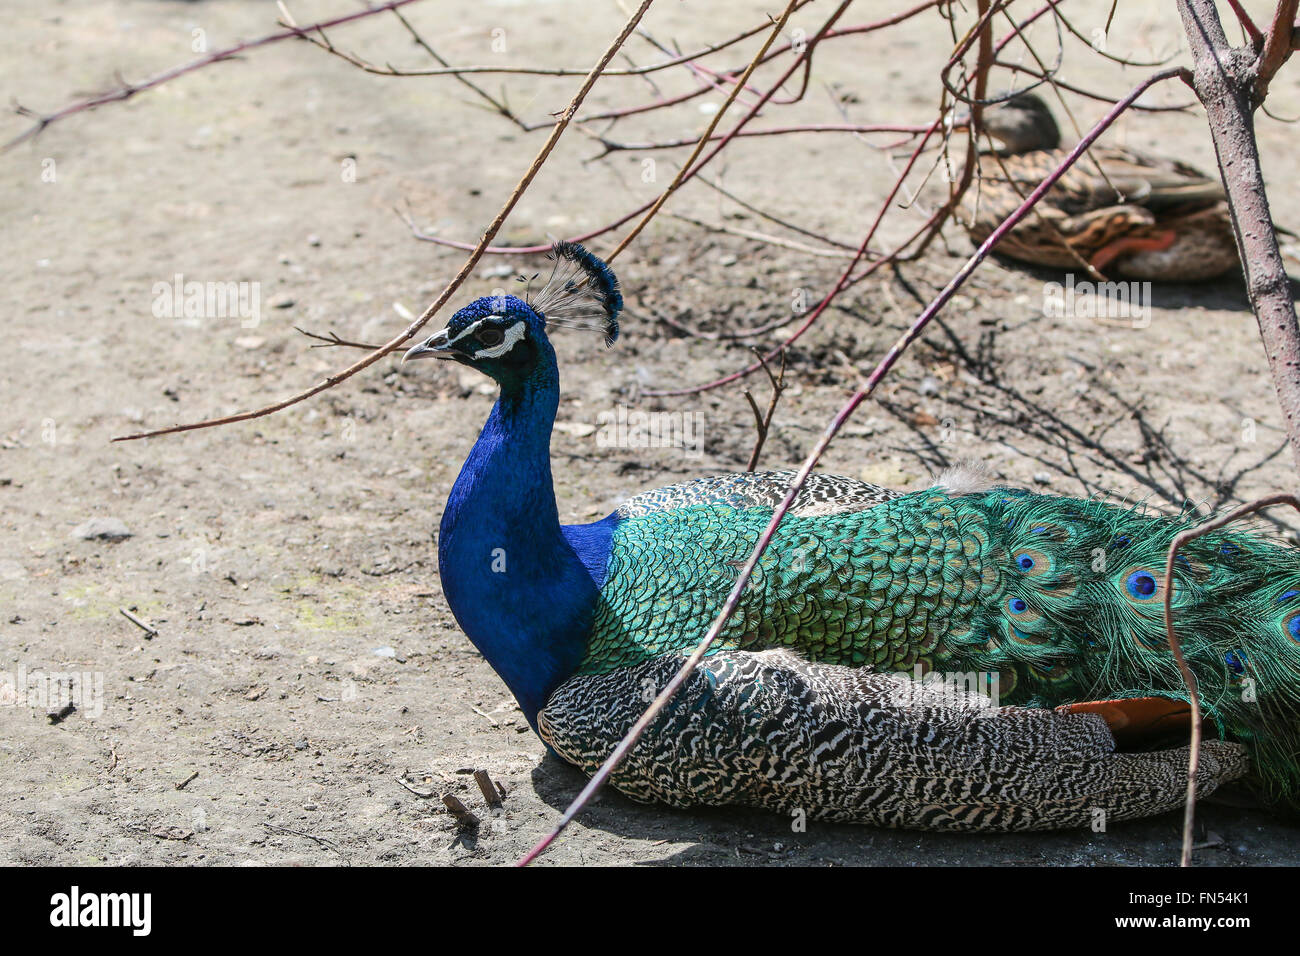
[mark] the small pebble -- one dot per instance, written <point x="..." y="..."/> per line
<point x="104" y="529"/>
<point x="384" y="652"/>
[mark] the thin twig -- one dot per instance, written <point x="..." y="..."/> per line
<point x="1247" y="24"/>
<point x="614" y="146"/>
<point x="764" y="238"/>
<point x="150" y="632"/>
<point x="1277" y="47"/>
<point x="842" y="283"/>
<point x="926" y="232"/>
<point x="332" y="340"/>
<point x="891" y="20"/>
<point x="447" y="69"/>
<point x="498" y="106"/>
<point x="1106" y="54"/>
<point x="793" y="227"/>
<point x="1193" y="693"/>
<point x="763" y="422"/>
<point x="805" y="59"/>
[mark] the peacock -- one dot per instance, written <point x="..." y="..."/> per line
<point x="963" y="657"/>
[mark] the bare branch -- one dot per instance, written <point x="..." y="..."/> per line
<point x="1226" y="82"/>
<point x="1247" y="24"/>
<point x="688" y="167"/>
<point x="127" y="90"/>
<point x="1278" y="46"/>
<point x="447" y="69"/>
<point x="332" y="340"/>
<point x="613" y="146"/>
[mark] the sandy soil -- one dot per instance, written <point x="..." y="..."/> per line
<point x="304" y="655"/>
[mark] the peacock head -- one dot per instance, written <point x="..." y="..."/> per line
<point x="504" y="336"/>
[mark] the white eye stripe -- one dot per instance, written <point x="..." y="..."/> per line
<point x="512" y="337"/>
<point x="470" y="329"/>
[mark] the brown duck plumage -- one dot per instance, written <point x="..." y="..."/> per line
<point x="1122" y="212"/>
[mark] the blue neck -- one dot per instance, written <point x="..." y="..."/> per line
<point x="522" y="587"/>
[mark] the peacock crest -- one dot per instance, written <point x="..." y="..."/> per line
<point x="581" y="292"/>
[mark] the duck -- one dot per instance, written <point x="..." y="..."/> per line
<point x="1116" y="212"/>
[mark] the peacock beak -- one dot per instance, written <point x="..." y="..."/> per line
<point x="435" y="346"/>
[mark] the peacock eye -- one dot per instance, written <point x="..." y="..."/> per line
<point x="490" y="336"/>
